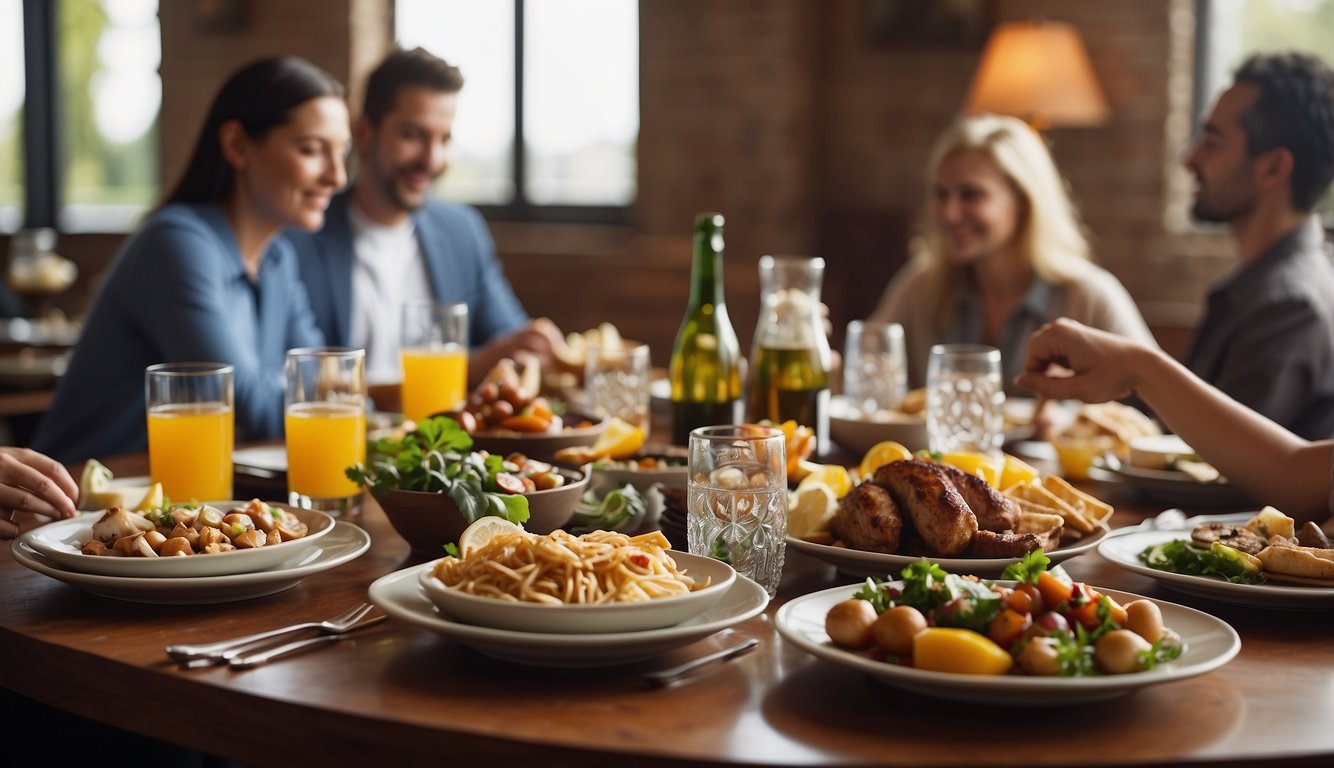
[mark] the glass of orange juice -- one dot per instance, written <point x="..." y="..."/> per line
<point x="190" y="429"/>
<point x="434" y="348"/>
<point x="326" y="427"/>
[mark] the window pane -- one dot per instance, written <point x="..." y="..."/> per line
<point x="478" y="38"/>
<point x="11" y="115"/>
<point x="109" y="98"/>
<point x="581" y="101"/>
<point x="1238" y="28"/>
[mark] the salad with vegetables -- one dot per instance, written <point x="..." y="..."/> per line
<point x="436" y="458"/>
<point x="1044" y="624"/>
<point x="622" y="509"/>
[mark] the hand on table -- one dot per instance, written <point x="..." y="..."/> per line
<point x="539" y="338"/>
<point x="32" y="482"/>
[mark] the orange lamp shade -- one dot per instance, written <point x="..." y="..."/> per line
<point x="1038" y="71"/>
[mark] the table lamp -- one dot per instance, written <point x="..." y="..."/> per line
<point x="1038" y="71"/>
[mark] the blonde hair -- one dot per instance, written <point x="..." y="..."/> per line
<point x="1051" y="234"/>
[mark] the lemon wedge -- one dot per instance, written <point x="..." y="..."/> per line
<point x="811" y="508"/>
<point x="834" y="476"/>
<point x="881" y="454"/>
<point x="96" y="478"/>
<point x="476" y="535"/>
<point x="1016" y="472"/>
<point x="620" y="440"/>
<point x="980" y="464"/>
<point x="151" y="500"/>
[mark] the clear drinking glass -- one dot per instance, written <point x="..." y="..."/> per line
<point x="965" y="401"/>
<point x="326" y="427"/>
<point x="190" y="429"/>
<point x="434" y="351"/>
<point x="616" y="382"/>
<point x="737" y="505"/>
<point x="875" y="367"/>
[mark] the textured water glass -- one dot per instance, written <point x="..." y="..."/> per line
<point x="875" y="367"/>
<point x="616" y="382"/>
<point x="737" y="500"/>
<point x="965" y="401"/>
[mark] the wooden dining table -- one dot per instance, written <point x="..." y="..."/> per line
<point x="396" y="694"/>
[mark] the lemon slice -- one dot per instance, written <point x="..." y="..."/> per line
<point x="834" y="476"/>
<point x="1016" y="472"/>
<point x="881" y="454"/>
<point x="621" y="440"/>
<point x="152" y="500"/>
<point x="95" y="478"/>
<point x="476" y="535"/>
<point x="810" y="510"/>
<point x="980" y="464"/>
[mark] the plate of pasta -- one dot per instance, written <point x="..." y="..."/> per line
<point x="559" y="583"/>
<point x="401" y="596"/>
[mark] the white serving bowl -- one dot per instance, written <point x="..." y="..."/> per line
<point x="61" y="542"/>
<point x="586" y="619"/>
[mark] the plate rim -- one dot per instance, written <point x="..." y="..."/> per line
<point x="129" y="588"/>
<point x="38" y="539"/>
<point x="983" y="687"/>
<point x="384" y="594"/>
<point x="860" y="558"/>
<point x="1246" y="595"/>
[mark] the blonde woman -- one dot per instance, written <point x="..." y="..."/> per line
<point x="1003" y="252"/>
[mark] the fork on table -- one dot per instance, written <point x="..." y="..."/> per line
<point x="224" y="651"/>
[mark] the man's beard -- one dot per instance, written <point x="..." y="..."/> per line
<point x="389" y="184"/>
<point x="1236" y="202"/>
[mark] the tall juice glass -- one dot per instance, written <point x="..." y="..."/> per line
<point x="434" y="349"/>
<point x="326" y="427"/>
<point x="190" y="429"/>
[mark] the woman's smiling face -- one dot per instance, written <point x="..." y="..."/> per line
<point x="974" y="206"/>
<point x="293" y="171"/>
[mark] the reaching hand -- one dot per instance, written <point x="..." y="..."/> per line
<point x="1069" y="360"/>
<point x="31" y="482"/>
<point x="539" y="338"/>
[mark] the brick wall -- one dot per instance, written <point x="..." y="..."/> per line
<point x="808" y="136"/>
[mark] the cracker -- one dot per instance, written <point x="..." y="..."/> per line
<point x="1092" y="508"/>
<point x="1036" y="493"/>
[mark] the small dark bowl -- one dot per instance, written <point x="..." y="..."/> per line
<point x="541" y="445"/>
<point x="428" y="521"/>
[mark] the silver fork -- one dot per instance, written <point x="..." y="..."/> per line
<point x="223" y="650"/>
<point x="248" y="660"/>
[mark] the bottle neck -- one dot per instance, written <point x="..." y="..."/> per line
<point x="706" y="277"/>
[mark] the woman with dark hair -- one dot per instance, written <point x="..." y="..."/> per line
<point x="209" y="277"/>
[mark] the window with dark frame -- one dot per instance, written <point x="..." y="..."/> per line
<point x="548" y="118"/>
<point x="84" y="129"/>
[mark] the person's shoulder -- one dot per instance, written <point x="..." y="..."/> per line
<point x="449" y="212"/>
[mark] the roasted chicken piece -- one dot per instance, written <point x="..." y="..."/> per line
<point x="1011" y="544"/>
<point x="938" y="511"/>
<point x="868" y="519"/>
<point x="994" y="512"/>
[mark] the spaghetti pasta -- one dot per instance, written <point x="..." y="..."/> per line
<point x="560" y="568"/>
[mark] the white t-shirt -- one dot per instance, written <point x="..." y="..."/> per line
<point x="388" y="272"/>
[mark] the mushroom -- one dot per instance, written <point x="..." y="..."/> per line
<point x="250" y="539"/>
<point x="116" y="523"/>
<point x="134" y="546"/>
<point x="176" y="546"/>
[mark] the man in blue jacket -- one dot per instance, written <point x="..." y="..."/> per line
<point x="387" y="241"/>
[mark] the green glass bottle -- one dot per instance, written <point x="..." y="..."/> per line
<point x="706" y="358"/>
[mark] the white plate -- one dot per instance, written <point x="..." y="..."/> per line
<point x="345" y="542"/>
<point x="1123" y="548"/>
<point x="857" y="434"/>
<point x="1210" y="643"/>
<point x="400" y="595"/>
<point x="60" y="541"/>
<point x="858" y="562"/>
<point x="261" y="461"/>
<point x="587" y="619"/>
<point x="1170" y="487"/>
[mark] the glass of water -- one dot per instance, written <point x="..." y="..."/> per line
<point x="737" y="506"/>
<point x="616" y="382"/>
<point x="965" y="400"/>
<point x="875" y="367"/>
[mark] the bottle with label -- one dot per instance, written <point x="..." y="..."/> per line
<point x="706" y="358"/>
<point x="790" y="358"/>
